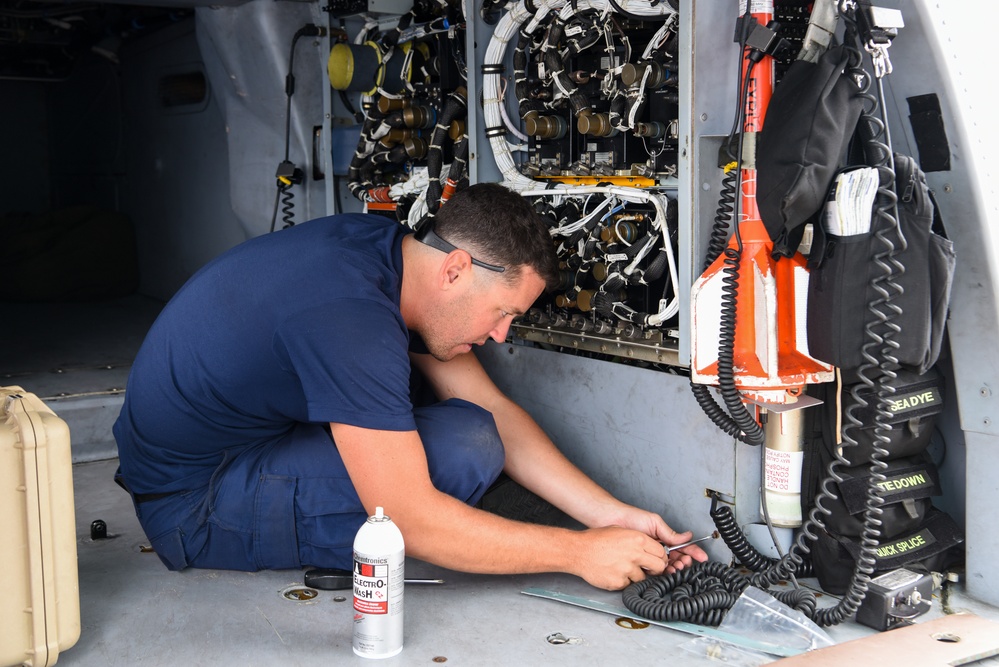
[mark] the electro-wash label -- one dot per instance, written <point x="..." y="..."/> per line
<point x="371" y="585"/>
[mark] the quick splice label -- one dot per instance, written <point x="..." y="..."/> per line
<point x="371" y="585"/>
<point x="907" y="545"/>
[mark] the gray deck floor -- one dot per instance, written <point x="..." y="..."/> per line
<point x="136" y="612"/>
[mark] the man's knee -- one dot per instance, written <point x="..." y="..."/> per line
<point x="464" y="449"/>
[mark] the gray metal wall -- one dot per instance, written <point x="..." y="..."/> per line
<point x="176" y="188"/>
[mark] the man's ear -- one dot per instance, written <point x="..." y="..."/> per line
<point x="457" y="264"/>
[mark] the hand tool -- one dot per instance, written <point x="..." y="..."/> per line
<point x="336" y="579"/>
<point x="712" y="536"/>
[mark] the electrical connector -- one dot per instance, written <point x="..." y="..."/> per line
<point x="879" y="25"/>
<point x="895" y="598"/>
<point x="288" y="174"/>
<point x="761" y="39"/>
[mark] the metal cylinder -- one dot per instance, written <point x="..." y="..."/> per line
<point x="359" y="67"/>
<point x="389" y="104"/>
<point x="396" y="136"/>
<point x="562" y="301"/>
<point x="633" y="73"/>
<point x="622" y="230"/>
<point x="594" y="124"/>
<point x="379" y="577"/>
<point x="600" y="271"/>
<point x="416" y="148"/>
<point x="652" y="130"/>
<point x="545" y="127"/>
<point x="419" y="117"/>
<point x="783" y="456"/>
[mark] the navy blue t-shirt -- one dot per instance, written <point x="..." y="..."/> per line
<point x="302" y="325"/>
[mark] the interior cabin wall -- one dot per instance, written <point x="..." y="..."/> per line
<point x="934" y="54"/>
<point x="926" y="61"/>
<point x="177" y="166"/>
<point x="62" y="139"/>
<point x="100" y="136"/>
<point x="25" y="181"/>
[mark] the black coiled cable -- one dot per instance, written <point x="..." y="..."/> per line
<point x="284" y="188"/>
<point x="877" y="370"/>
<point x="701" y="593"/>
<point x="723" y="217"/>
<point x="752" y="432"/>
<point x="287" y="206"/>
<point x="737" y="422"/>
<point x="744" y="552"/>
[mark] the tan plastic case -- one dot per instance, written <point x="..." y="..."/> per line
<point x="40" y="608"/>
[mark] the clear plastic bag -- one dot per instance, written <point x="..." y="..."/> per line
<point x="769" y="627"/>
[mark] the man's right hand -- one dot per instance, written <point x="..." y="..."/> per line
<point x="612" y="558"/>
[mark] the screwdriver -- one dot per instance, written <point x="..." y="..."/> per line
<point x="336" y="579"/>
<point x="712" y="536"/>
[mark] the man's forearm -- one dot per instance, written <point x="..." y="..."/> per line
<point x="459" y="537"/>
<point x="533" y="461"/>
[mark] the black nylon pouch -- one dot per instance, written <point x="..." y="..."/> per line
<point x="914" y="405"/>
<point x="906" y="490"/>
<point x="839" y="292"/>
<point x="810" y="120"/>
<point x="932" y="547"/>
<point x="930" y="255"/>
<point x="837" y="300"/>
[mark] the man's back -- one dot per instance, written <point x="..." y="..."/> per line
<point x="278" y="330"/>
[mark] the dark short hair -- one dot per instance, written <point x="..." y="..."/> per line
<point x="499" y="226"/>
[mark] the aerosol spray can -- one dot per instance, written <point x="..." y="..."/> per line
<point x="379" y="573"/>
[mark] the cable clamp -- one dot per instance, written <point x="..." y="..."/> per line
<point x="878" y="26"/>
<point x="760" y="39"/>
<point x="288" y="174"/>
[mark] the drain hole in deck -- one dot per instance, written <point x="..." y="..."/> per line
<point x="299" y="593"/>
<point x="631" y="623"/>
<point x="946" y="638"/>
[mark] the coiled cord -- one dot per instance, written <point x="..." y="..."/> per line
<point x="723" y="216"/>
<point x="287" y="206"/>
<point x="876" y="373"/>
<point x="744" y="552"/>
<point x="752" y="432"/>
<point x="737" y="422"/>
<point x="702" y="594"/>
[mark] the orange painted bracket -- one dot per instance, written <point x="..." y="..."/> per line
<point x="771" y="364"/>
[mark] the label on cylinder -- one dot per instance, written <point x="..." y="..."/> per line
<point x="782" y="487"/>
<point x="783" y="471"/>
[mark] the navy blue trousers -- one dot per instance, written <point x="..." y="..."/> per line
<point x="290" y="503"/>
